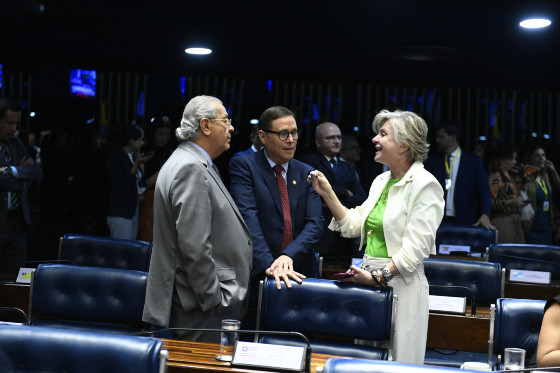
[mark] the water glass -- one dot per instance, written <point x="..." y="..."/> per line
<point x="514" y="358"/>
<point x="228" y="340"/>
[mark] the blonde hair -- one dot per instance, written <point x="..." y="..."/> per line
<point x="408" y="128"/>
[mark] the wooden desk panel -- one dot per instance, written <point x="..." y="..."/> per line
<point x="14" y="295"/>
<point x="188" y="356"/>
<point x="530" y="291"/>
<point x="458" y="332"/>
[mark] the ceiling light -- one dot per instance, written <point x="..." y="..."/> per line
<point x="535" y="23"/>
<point x="198" y="51"/>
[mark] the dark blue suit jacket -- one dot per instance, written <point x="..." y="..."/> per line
<point x="346" y="178"/>
<point x="472" y="192"/>
<point x="255" y="191"/>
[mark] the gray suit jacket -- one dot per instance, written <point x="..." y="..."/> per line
<point x="202" y="249"/>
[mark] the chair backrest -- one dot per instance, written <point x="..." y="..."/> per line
<point x="485" y="280"/>
<point x="26" y="348"/>
<point x="518" y="324"/>
<point x="527" y="256"/>
<point x="97" y="251"/>
<point x="345" y="365"/>
<point x="95" y="298"/>
<point x="476" y="237"/>
<point x="323" y="309"/>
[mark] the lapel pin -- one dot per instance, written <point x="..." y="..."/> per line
<point x="294" y="182"/>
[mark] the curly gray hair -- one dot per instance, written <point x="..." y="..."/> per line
<point x="197" y="108"/>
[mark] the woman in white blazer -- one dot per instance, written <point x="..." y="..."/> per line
<point x="397" y="224"/>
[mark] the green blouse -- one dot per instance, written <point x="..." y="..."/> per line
<point x="376" y="246"/>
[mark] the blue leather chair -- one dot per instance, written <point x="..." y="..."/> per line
<point x="518" y="324"/>
<point x="345" y="365"/>
<point x="527" y="256"/>
<point x="38" y="349"/>
<point x="481" y="282"/>
<point x="94" y="298"/>
<point x="477" y="238"/>
<point x="96" y="251"/>
<point x="331" y="314"/>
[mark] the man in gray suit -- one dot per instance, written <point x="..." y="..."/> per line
<point x="201" y="259"/>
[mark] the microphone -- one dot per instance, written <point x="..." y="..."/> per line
<point x="526" y="259"/>
<point x="473" y="298"/>
<point x="242" y="331"/>
<point x="18" y="310"/>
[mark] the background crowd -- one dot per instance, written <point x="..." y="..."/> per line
<point x="74" y="193"/>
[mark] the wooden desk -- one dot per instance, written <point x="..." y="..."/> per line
<point x="187" y="356"/>
<point x="531" y="291"/>
<point x="459" y="332"/>
<point x="14" y="295"/>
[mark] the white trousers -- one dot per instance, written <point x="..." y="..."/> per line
<point x="412" y="313"/>
<point x="123" y="227"/>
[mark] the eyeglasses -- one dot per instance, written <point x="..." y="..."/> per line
<point x="332" y="138"/>
<point x="227" y="121"/>
<point x="283" y="135"/>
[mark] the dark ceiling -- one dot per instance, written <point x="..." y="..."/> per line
<point x="415" y="42"/>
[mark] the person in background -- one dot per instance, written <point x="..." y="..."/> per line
<point x="397" y="224"/>
<point x="350" y="151"/>
<point x="201" y="258"/>
<point x="503" y="176"/>
<point x="160" y="144"/>
<point x="256" y="143"/>
<point x="126" y="182"/>
<point x="280" y="207"/>
<point x="548" y="349"/>
<point x="17" y="171"/>
<point x="541" y="181"/>
<point x="344" y="181"/>
<point x="462" y="176"/>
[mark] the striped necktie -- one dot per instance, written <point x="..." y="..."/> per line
<point x="288" y="236"/>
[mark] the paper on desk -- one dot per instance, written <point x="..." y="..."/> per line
<point x="268" y="355"/>
<point x="448" y="304"/>
<point x="24" y="275"/>
<point x="535" y="277"/>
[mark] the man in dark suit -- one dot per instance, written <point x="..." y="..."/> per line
<point x="256" y="143"/>
<point x="284" y="234"/>
<point x="17" y="171"/>
<point x="463" y="178"/>
<point x="344" y="181"/>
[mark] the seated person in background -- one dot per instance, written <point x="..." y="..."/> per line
<point x="548" y="350"/>
<point x="503" y="178"/>
<point x="344" y="181"/>
<point x="542" y="181"/>
<point x="462" y="176"/>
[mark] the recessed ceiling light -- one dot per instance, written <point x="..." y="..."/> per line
<point x="198" y="51"/>
<point x="535" y="23"/>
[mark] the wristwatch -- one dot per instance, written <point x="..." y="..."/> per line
<point x="387" y="274"/>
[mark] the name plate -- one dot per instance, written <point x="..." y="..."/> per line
<point x="534" y="277"/>
<point x="24" y="275"/>
<point x="269" y="356"/>
<point x="446" y="249"/>
<point x="439" y="303"/>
